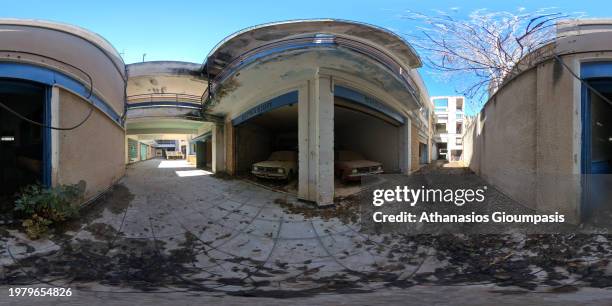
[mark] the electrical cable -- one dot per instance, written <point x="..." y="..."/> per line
<point x="90" y="94"/>
<point x="585" y="83"/>
<point x="44" y="125"/>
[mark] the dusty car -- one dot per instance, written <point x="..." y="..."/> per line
<point x="281" y="165"/>
<point x="351" y="166"/>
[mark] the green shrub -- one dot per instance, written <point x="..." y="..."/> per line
<point x="36" y="226"/>
<point x="44" y="206"/>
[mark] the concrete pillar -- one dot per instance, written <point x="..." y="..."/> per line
<point x="230" y="147"/>
<point x="138" y="156"/>
<point x="414" y="147"/>
<point x="218" y="149"/>
<point x="316" y="140"/>
<point x="55" y="136"/>
<point x="406" y="146"/>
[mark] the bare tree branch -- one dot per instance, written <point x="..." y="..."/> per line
<point x="486" y="46"/>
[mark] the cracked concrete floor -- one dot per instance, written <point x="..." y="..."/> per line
<point x="168" y="227"/>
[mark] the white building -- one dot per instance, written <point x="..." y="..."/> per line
<point x="449" y="127"/>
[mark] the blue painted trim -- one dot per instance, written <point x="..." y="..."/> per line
<point x="47" y="144"/>
<point x="51" y="77"/>
<point x="274" y="103"/>
<point x="585" y="151"/>
<point x="202" y="137"/>
<point x="589" y="70"/>
<point x="367" y="101"/>
<point x="586" y="130"/>
<point x="164" y="104"/>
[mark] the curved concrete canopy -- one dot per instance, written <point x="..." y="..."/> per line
<point x="162" y="79"/>
<point x="267" y="78"/>
<point x="175" y="68"/>
<point x="87" y="35"/>
<point x="80" y="54"/>
<point x="255" y="37"/>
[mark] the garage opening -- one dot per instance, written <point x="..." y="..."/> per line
<point x="366" y="143"/>
<point x="267" y="147"/>
<point x="21" y="143"/>
<point x="203" y="150"/>
<point x="597" y="151"/>
<point x="423" y="153"/>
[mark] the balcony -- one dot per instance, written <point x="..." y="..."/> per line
<point x="164" y="100"/>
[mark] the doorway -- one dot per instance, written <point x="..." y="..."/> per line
<point x="24" y="147"/>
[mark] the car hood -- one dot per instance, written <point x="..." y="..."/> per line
<point x="275" y="163"/>
<point x="358" y="163"/>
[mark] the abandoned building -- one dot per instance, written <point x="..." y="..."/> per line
<point x="311" y="86"/>
<point x="545" y="137"/>
<point x="314" y="87"/>
<point x="448" y="127"/>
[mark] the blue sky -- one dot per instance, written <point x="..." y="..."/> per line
<point x="188" y="30"/>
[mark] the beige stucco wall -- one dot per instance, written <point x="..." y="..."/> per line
<point x="507" y="139"/>
<point x="94" y="152"/>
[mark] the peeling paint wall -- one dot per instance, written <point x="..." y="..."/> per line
<point x="258" y="36"/>
<point x="267" y="78"/>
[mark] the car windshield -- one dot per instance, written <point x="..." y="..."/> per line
<point x="349" y="155"/>
<point x="282" y="156"/>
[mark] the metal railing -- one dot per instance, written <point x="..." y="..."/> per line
<point x="164" y="97"/>
<point x="173" y="100"/>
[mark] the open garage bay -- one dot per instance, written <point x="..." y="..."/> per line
<point x="365" y="143"/>
<point x="259" y="138"/>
